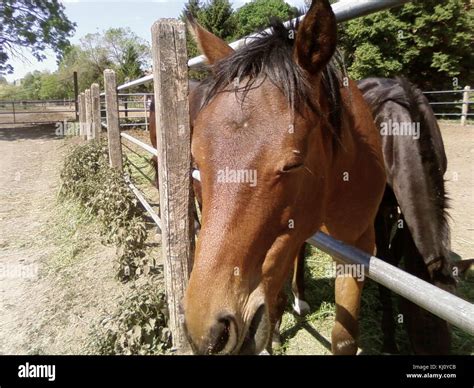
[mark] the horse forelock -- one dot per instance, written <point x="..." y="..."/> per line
<point x="270" y="57"/>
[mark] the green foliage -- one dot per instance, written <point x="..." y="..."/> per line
<point x="131" y="66"/>
<point x="87" y="178"/>
<point x="257" y="14"/>
<point x="51" y="87"/>
<point x="429" y="42"/>
<point x="89" y="70"/>
<point x="34" y="24"/>
<point x="192" y="7"/>
<point x="139" y="327"/>
<point x="216" y="17"/>
<point x="116" y="48"/>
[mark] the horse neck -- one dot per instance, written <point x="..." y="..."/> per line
<point x="416" y="175"/>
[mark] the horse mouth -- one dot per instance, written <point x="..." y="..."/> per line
<point x="257" y="335"/>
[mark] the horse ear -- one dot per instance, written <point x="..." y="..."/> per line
<point x="213" y="47"/>
<point x="316" y="38"/>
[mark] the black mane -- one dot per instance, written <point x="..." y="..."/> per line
<point x="271" y="57"/>
<point x="377" y="92"/>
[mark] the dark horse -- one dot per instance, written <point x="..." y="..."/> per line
<point x="418" y="234"/>
<point x="284" y="149"/>
<point x="415" y="163"/>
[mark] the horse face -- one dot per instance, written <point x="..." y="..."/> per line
<point x="261" y="166"/>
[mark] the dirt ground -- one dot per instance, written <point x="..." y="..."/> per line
<point x="53" y="284"/>
<point x="48" y="302"/>
<point x="459" y="145"/>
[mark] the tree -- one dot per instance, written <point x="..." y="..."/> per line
<point x="131" y="67"/>
<point x="192" y="8"/>
<point x="95" y="52"/>
<point x="116" y="48"/>
<point x="51" y="87"/>
<point x="89" y="71"/>
<point x="257" y="14"/>
<point x="31" y="85"/>
<point x="117" y="42"/>
<point x="216" y="17"/>
<point x="428" y="41"/>
<point x="32" y="24"/>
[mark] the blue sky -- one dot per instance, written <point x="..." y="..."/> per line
<point x="96" y="16"/>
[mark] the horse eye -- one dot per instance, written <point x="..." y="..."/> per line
<point x="291" y="166"/>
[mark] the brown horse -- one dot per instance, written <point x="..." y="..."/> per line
<point x="284" y="149"/>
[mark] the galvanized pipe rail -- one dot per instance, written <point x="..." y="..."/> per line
<point x="449" y="307"/>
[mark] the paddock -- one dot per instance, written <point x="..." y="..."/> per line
<point x="171" y="88"/>
<point x="173" y="131"/>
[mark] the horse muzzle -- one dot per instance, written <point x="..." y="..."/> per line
<point x="230" y="334"/>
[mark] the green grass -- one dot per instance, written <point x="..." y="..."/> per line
<point x="320" y="296"/>
<point x="70" y="228"/>
<point x="141" y="171"/>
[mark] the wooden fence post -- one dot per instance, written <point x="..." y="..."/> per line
<point x="113" y="125"/>
<point x="88" y="114"/>
<point x="82" y="115"/>
<point x="170" y="75"/>
<point x="96" y="124"/>
<point x="465" y="105"/>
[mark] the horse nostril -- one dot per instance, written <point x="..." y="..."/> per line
<point x="220" y="335"/>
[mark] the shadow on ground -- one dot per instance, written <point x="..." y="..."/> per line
<point x="296" y="332"/>
<point x="28" y="132"/>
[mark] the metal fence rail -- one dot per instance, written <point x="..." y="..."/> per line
<point x="18" y="111"/>
<point x="139" y="143"/>
<point x="463" y="103"/>
<point x="449" y="307"/>
<point x="131" y="104"/>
